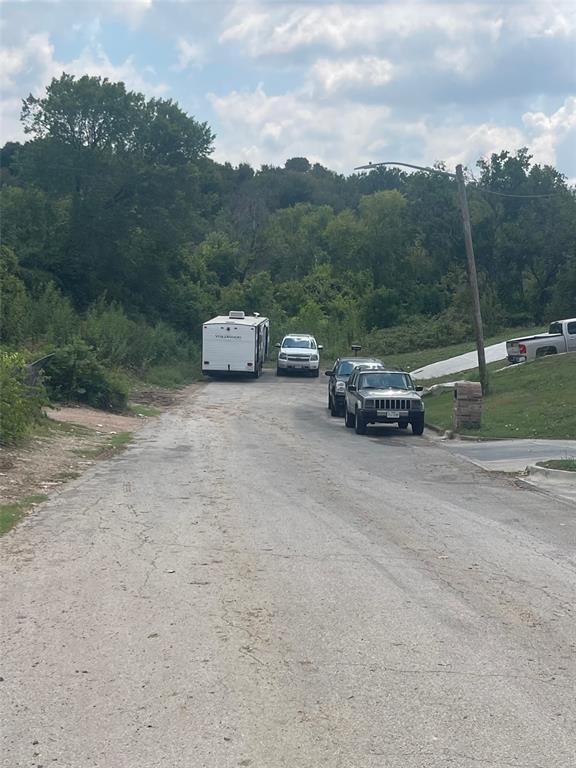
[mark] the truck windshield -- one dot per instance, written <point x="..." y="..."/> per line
<point x="388" y="380"/>
<point x="299" y="343"/>
<point x="555" y="328"/>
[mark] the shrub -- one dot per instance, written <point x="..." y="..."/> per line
<point x="120" y="341"/>
<point x="73" y="374"/>
<point x="52" y="317"/>
<point x="20" y="404"/>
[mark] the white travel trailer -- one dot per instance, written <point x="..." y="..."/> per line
<point x="236" y="343"/>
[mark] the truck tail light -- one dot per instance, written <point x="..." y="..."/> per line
<point x="522" y="349"/>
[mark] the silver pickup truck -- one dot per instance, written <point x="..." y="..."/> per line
<point x="561" y="337"/>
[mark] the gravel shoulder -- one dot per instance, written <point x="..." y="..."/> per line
<point x="70" y="441"/>
<point x="252" y="584"/>
<point x="50" y="459"/>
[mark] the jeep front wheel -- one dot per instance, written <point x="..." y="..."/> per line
<point x="360" y="424"/>
<point x="418" y="425"/>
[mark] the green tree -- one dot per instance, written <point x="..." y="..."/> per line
<point x="386" y="234"/>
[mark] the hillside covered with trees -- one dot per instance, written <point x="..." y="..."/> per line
<point x="119" y="229"/>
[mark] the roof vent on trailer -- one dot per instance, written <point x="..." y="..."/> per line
<point x="236" y="315"/>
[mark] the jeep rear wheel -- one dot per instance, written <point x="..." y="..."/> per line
<point x="348" y="418"/>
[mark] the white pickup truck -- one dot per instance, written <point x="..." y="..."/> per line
<point x="561" y="337"/>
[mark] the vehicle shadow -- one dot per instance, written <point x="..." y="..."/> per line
<point x="232" y="378"/>
<point x="387" y="431"/>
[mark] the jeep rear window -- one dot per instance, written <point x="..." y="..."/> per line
<point x="345" y="368"/>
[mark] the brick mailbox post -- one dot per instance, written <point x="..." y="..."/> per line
<point x="467" y="404"/>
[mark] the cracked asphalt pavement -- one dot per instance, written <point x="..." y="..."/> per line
<point x="253" y="584"/>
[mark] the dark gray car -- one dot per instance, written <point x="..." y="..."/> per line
<point x="383" y="397"/>
<point x="340" y="374"/>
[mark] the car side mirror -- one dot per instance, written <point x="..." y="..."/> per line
<point x="328" y="373"/>
<point x="351" y="388"/>
<point x="320" y="346"/>
<point x="419" y="389"/>
<point x="277" y="345"/>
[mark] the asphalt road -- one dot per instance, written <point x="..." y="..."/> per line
<point x="252" y="584"/>
<point x="512" y="455"/>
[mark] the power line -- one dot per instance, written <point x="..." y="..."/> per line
<point x="508" y="194"/>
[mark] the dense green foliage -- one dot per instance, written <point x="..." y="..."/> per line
<point x="73" y="374"/>
<point x="119" y="229"/>
<point x="20" y="403"/>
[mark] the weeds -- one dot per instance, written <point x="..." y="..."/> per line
<point x="12" y="513"/>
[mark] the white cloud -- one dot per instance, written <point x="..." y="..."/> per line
<point x="466" y="143"/>
<point x="283" y="28"/>
<point x="258" y="128"/>
<point x="548" y="132"/>
<point x="133" y="11"/>
<point x="36" y="55"/>
<point x="547" y="19"/>
<point x="94" y="61"/>
<point x="190" y="54"/>
<point x="10" y="126"/>
<point x="261" y="128"/>
<point x="365" y="71"/>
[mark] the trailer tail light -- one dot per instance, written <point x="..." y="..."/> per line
<point x="522" y="349"/>
<point x="206" y="362"/>
<point x="249" y="365"/>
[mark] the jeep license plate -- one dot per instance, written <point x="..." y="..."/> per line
<point x="390" y="414"/>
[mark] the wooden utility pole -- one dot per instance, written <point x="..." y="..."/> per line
<point x="473" y="277"/>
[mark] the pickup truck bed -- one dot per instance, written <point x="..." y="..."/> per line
<point x="560" y="339"/>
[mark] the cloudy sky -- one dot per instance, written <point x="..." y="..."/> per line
<point x="340" y="83"/>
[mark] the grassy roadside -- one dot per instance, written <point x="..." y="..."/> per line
<point x="109" y="447"/>
<point x="57" y="451"/>
<point x="537" y="399"/>
<point x="568" y="465"/>
<point x="12" y="513"/>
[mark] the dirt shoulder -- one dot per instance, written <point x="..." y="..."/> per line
<point x="70" y="441"/>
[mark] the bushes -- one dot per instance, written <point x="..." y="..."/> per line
<point x="122" y="342"/>
<point x="419" y="333"/>
<point x="20" y="404"/>
<point x="73" y="374"/>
